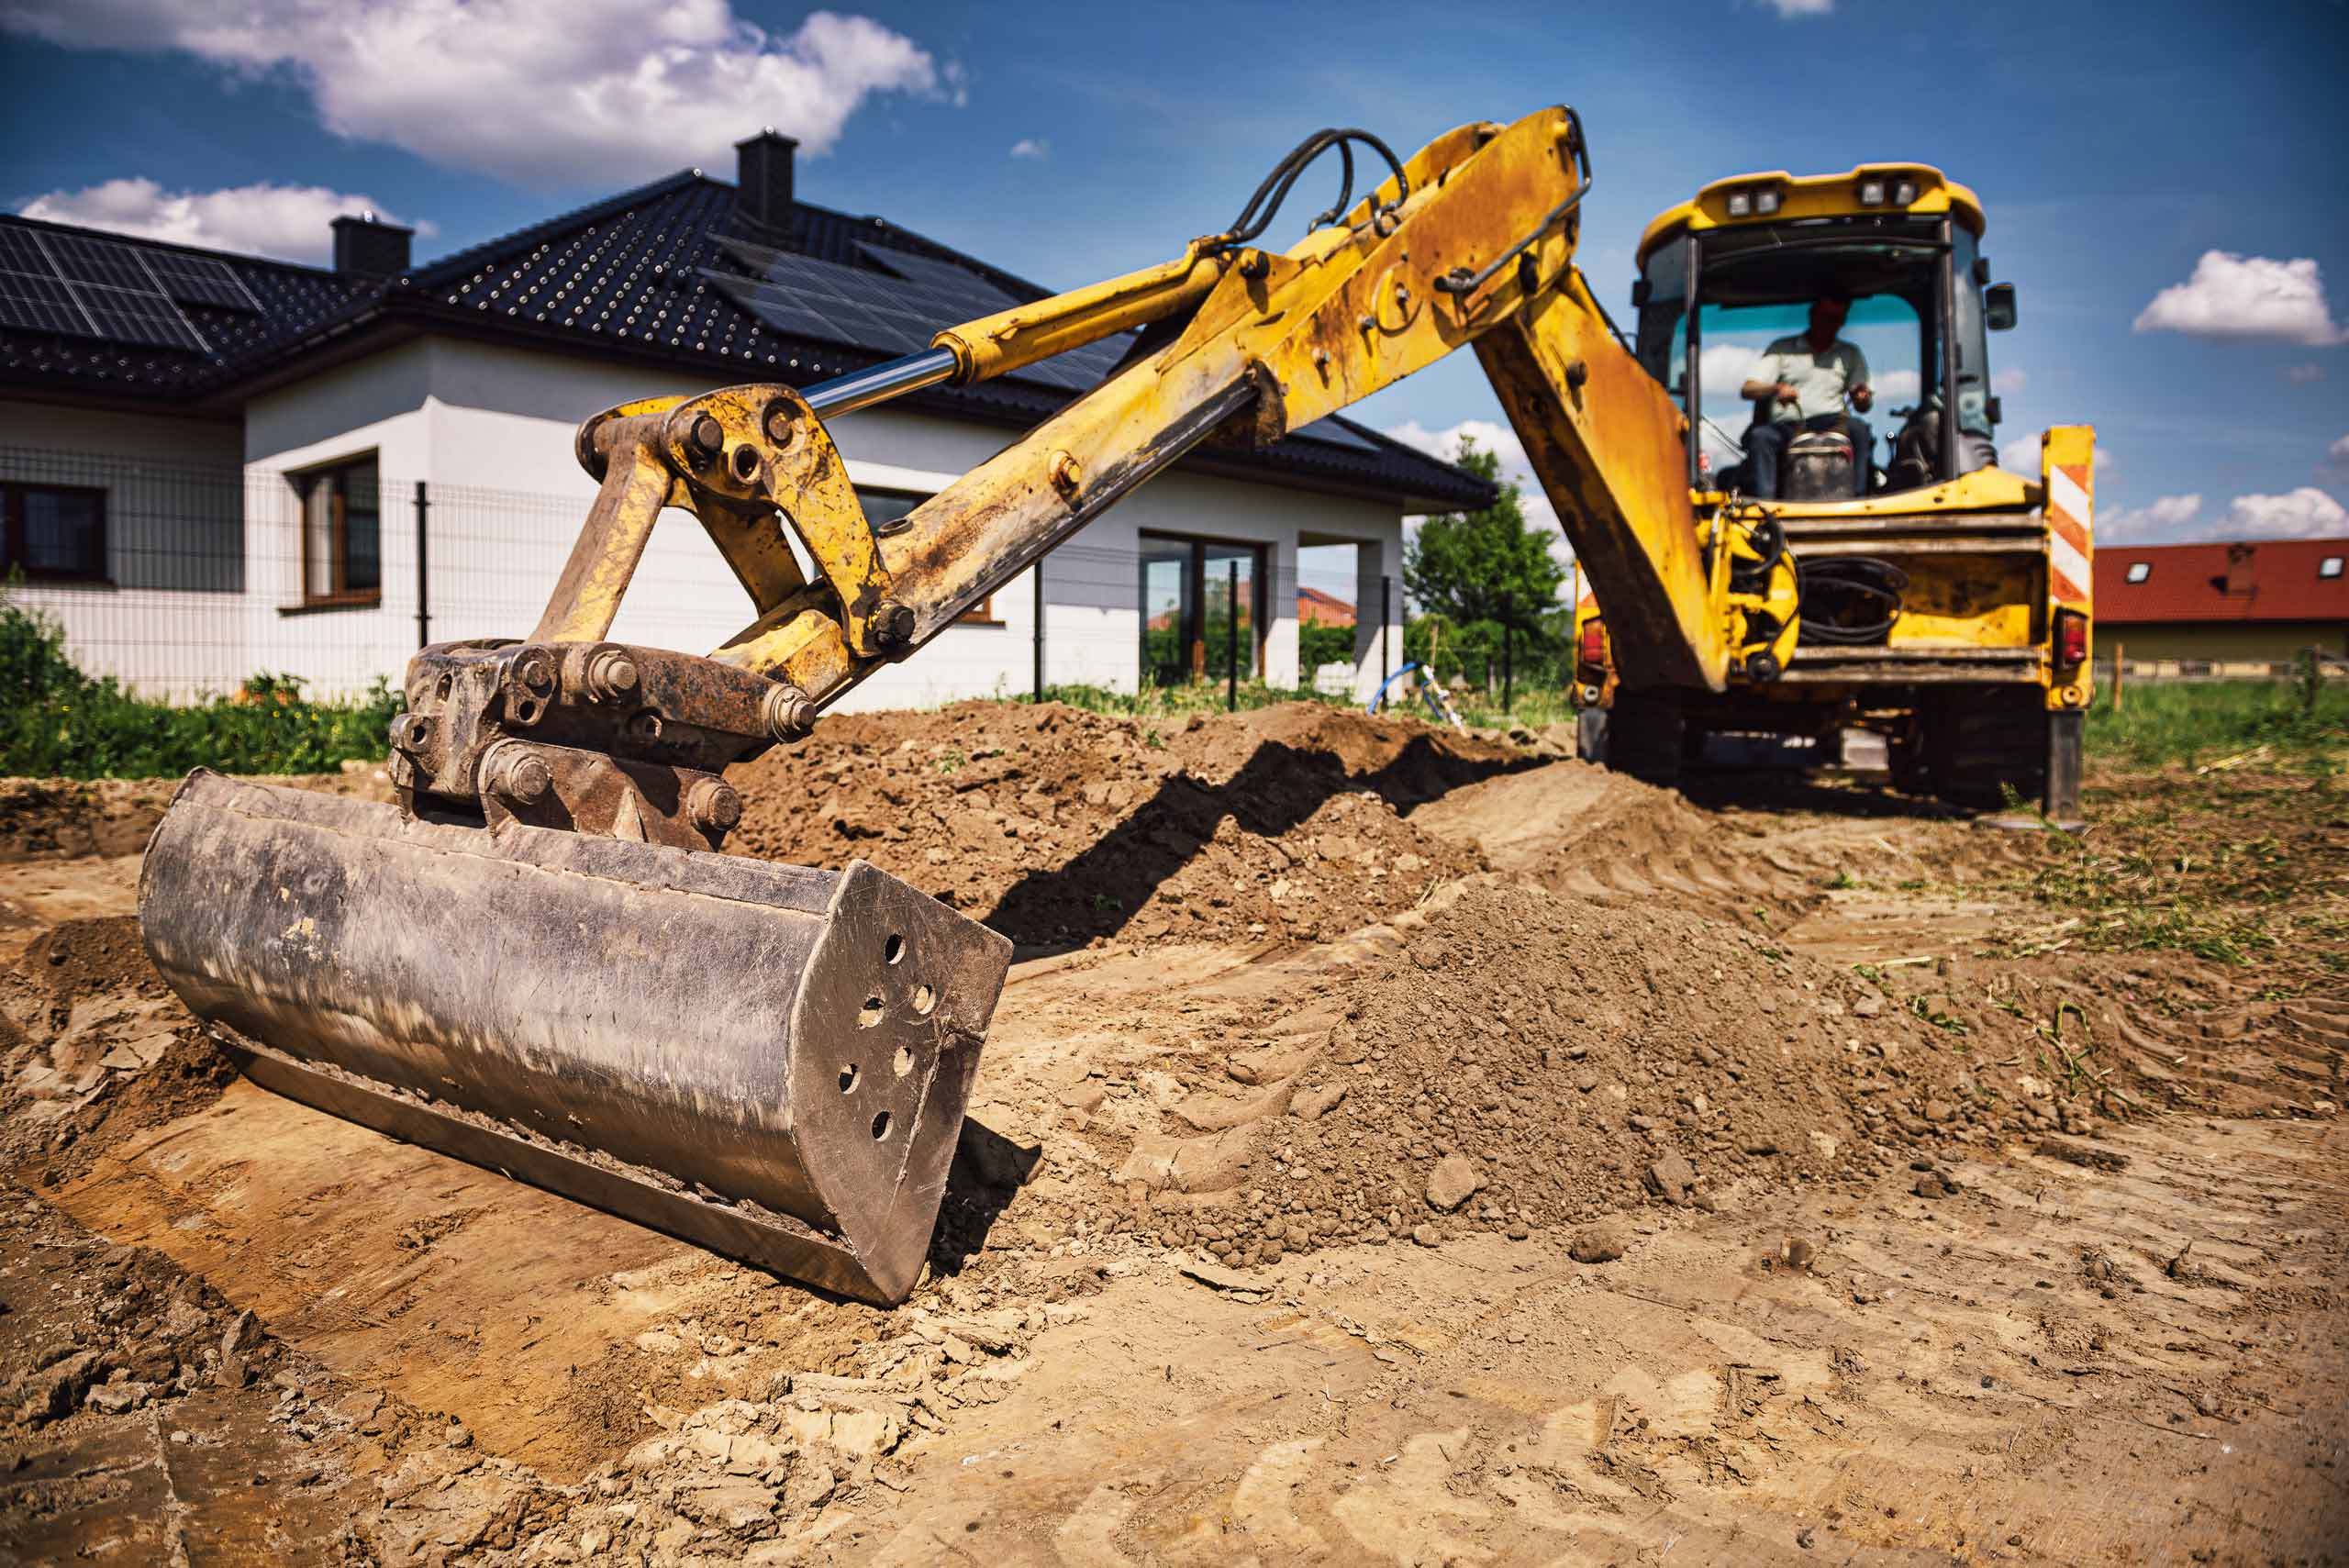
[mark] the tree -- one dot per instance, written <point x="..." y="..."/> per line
<point x="1485" y="565"/>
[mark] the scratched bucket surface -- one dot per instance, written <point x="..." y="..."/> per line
<point x="767" y="1060"/>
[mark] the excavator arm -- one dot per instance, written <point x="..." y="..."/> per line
<point x="1470" y="242"/>
<point x="535" y="963"/>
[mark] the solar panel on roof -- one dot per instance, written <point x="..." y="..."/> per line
<point x="85" y="286"/>
<point x="202" y="280"/>
<point x="20" y="253"/>
<point x="41" y="303"/>
<point x="83" y="260"/>
<point x="943" y="276"/>
<point x="133" y="316"/>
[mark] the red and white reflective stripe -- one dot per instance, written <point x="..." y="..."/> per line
<point x="2068" y="540"/>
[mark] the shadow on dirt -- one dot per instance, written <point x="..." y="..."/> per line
<point x="1787" y="789"/>
<point x="1279" y="786"/>
<point x="987" y="1173"/>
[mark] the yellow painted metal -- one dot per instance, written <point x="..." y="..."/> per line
<point x="2072" y="450"/>
<point x="1984" y="490"/>
<point x="995" y="345"/>
<point x="1814" y="196"/>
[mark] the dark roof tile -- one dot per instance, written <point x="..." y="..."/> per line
<point x="670" y="270"/>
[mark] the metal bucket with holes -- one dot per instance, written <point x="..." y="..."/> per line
<point x="767" y="1060"/>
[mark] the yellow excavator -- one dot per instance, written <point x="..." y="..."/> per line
<point x="538" y="961"/>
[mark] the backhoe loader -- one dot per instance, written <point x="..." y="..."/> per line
<point x="539" y="959"/>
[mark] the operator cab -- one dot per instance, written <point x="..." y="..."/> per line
<point x="1724" y="276"/>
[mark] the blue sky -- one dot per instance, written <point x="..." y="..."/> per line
<point x="2117" y="146"/>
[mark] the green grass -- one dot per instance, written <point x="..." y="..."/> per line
<point x="2204" y="721"/>
<point x="57" y="722"/>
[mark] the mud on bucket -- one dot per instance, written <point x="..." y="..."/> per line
<point x="769" y="1061"/>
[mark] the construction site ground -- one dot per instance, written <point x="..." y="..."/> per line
<point x="1392" y="1147"/>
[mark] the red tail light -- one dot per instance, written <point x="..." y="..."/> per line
<point x="2071" y="638"/>
<point x="1593" y="650"/>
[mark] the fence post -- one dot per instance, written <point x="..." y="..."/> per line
<point x="423" y="571"/>
<point x="1508" y="659"/>
<point x="2117" y="672"/>
<point x="1039" y="629"/>
<point x="1231" y="643"/>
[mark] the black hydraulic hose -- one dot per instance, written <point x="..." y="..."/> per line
<point x="1262" y="207"/>
<point x="1848" y="600"/>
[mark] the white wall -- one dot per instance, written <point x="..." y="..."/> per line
<point x="169" y="621"/>
<point x="491" y="429"/>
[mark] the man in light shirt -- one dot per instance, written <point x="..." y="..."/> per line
<point x="1814" y="382"/>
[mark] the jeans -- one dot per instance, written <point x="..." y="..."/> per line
<point x="1766" y="447"/>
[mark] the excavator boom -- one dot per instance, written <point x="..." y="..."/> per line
<point x="538" y="962"/>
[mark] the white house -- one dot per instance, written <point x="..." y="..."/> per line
<point x="213" y="465"/>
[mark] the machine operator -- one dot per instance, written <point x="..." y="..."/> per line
<point x="1812" y="382"/>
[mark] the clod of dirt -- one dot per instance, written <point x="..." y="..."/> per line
<point x="1601" y="1243"/>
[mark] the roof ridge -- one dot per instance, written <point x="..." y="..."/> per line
<point x="466" y="259"/>
<point x="242" y="258"/>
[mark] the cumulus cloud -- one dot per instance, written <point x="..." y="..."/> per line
<point x="2167" y="521"/>
<point x="286" y="221"/>
<point x="2246" y="297"/>
<point x="1502" y="442"/>
<point x="546" y="91"/>
<point x="2301" y="375"/>
<point x="2336" y="457"/>
<point x="2305" y="512"/>
<point x="1790" y="9"/>
<point x="1031" y="146"/>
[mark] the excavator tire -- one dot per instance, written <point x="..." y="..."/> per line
<point x="1647" y="736"/>
<point x="769" y="1061"/>
<point x="1986" y="745"/>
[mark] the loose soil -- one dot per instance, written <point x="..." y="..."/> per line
<point x="1392" y="1146"/>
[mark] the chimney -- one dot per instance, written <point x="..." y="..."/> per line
<point x="2242" y="580"/>
<point x="367" y="247"/>
<point x="762" y="179"/>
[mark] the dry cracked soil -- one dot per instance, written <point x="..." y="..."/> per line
<point x="1392" y="1147"/>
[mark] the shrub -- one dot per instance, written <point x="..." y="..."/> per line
<point x="56" y="721"/>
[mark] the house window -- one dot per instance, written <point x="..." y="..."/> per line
<point x="1193" y="621"/>
<point x="2140" y="570"/>
<point x="883" y="508"/>
<point x="342" y="535"/>
<point x="2329" y="567"/>
<point x="53" y="533"/>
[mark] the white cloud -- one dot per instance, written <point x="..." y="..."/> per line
<point x="1789" y="9"/>
<point x="2304" y="513"/>
<point x="1502" y="440"/>
<point x="2020" y="455"/>
<point x="288" y="221"/>
<point x="2167" y="521"/>
<point x="2301" y="375"/>
<point x="2009" y="382"/>
<point x="1896" y="386"/>
<point x="1031" y="146"/>
<point x="2336" y="457"/>
<point x="547" y="92"/>
<point x="2246" y="297"/>
<point x="1722" y="367"/>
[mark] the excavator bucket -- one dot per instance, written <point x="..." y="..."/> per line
<point x="769" y="1061"/>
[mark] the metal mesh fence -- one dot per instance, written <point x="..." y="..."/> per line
<point x="183" y="580"/>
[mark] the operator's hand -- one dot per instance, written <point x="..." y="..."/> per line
<point x="1786" y="392"/>
<point x="1863" y="399"/>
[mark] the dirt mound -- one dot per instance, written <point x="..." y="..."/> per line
<point x="45" y="819"/>
<point x="1057" y="825"/>
<point x="1533" y="1059"/>
<point x="96" y="1048"/>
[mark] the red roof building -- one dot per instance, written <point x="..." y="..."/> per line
<point x="1315" y="607"/>
<point x="2250" y="601"/>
